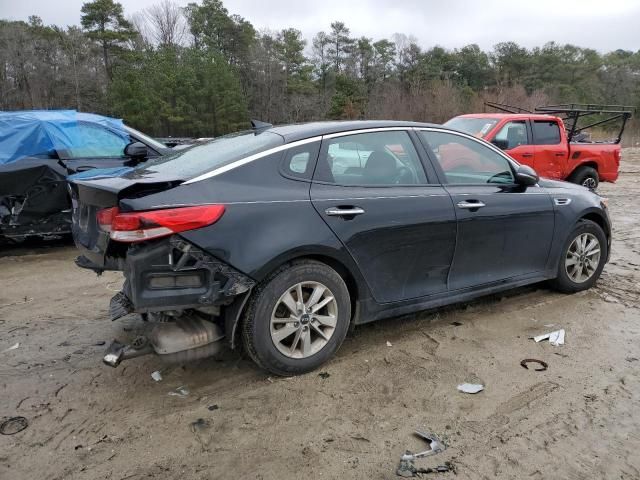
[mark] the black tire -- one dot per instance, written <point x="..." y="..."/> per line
<point x="563" y="282"/>
<point x="256" y="323"/>
<point x="586" y="176"/>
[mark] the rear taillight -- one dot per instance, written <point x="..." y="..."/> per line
<point x="139" y="226"/>
<point x="105" y="218"/>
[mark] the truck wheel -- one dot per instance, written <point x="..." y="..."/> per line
<point x="583" y="257"/>
<point x="297" y="318"/>
<point x="587" y="177"/>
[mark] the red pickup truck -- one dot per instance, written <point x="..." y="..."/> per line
<point x="542" y="142"/>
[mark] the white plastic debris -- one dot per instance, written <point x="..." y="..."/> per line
<point x="470" y="387"/>
<point x="157" y="376"/>
<point x="12" y="347"/>
<point x="435" y="447"/>
<point x="555" y="338"/>
<point x="179" y="392"/>
<point x="389" y="344"/>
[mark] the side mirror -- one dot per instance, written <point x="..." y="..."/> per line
<point x="500" y="143"/>
<point x="526" y="176"/>
<point x="136" y="150"/>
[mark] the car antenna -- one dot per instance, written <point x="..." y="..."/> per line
<point x="258" y="126"/>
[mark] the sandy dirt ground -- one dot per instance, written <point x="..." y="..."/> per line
<point x="579" y="419"/>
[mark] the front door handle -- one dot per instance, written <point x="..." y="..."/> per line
<point x="527" y="155"/>
<point x="471" y="204"/>
<point x="344" y="212"/>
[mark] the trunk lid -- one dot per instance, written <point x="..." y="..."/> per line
<point x="94" y="191"/>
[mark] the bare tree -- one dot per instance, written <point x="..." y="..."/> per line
<point x="167" y="25"/>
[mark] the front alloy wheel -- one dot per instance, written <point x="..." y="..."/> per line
<point x="583" y="257"/>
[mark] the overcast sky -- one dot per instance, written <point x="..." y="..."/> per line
<point x="601" y="24"/>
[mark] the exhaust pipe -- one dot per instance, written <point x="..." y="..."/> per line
<point x="188" y="338"/>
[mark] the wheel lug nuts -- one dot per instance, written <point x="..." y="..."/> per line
<point x="296" y="324"/>
<point x="305" y="328"/>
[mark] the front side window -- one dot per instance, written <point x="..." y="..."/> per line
<point x="94" y="141"/>
<point x="367" y="159"/>
<point x="511" y="135"/>
<point x="546" y="132"/>
<point x="467" y="161"/>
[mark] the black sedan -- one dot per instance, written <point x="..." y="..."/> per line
<point x="280" y="238"/>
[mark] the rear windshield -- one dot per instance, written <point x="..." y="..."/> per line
<point x="203" y="158"/>
<point x="478" y="127"/>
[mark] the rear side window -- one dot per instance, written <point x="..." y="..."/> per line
<point x="299" y="161"/>
<point x="368" y="159"/>
<point x="206" y="157"/>
<point x="546" y="133"/>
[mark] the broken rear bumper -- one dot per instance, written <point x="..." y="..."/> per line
<point x="175" y="275"/>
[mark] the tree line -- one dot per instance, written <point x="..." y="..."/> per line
<point x="203" y="71"/>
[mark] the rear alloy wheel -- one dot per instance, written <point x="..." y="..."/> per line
<point x="304" y="320"/>
<point x="297" y="318"/>
<point x="583" y="258"/>
<point x="587" y="177"/>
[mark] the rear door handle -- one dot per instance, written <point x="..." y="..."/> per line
<point x="560" y="154"/>
<point x="344" y="212"/>
<point x="527" y="155"/>
<point x="470" y="204"/>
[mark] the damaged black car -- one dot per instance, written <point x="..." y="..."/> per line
<point x="281" y="238"/>
<point x="40" y="148"/>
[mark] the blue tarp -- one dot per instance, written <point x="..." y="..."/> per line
<point x="41" y="132"/>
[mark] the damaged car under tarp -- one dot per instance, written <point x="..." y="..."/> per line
<point x="39" y="149"/>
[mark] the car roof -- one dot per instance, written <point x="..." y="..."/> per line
<point x="515" y="116"/>
<point x="300" y="131"/>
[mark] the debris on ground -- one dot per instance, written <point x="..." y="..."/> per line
<point x="179" y="392"/>
<point x="408" y="469"/>
<point x="555" y="338"/>
<point x="13" y="425"/>
<point x="389" y="344"/>
<point x="435" y="446"/>
<point x="211" y="408"/>
<point x="12" y="347"/>
<point x="199" y="425"/>
<point x="543" y="365"/>
<point x="324" y="375"/>
<point x="157" y="376"/>
<point x="456" y="324"/>
<point x="470" y="387"/>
